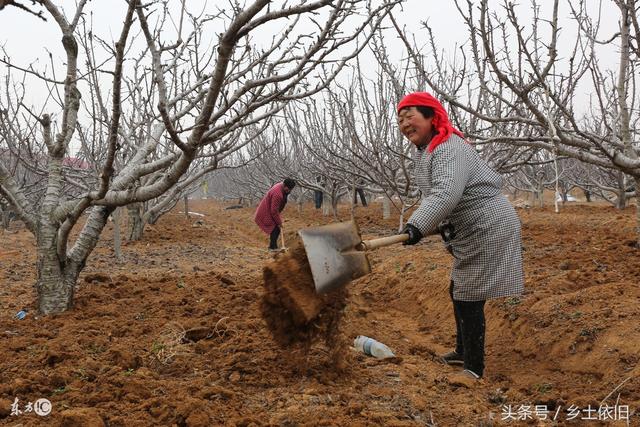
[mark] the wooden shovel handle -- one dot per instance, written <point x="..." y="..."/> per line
<point x="368" y="245"/>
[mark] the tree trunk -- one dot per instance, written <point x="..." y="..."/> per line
<point x="136" y="224"/>
<point x="6" y="215"/>
<point x="153" y="214"/>
<point x="621" y="194"/>
<point x="402" y="211"/>
<point x="186" y="206"/>
<point x="587" y="195"/>
<point x="117" y="237"/>
<point x="6" y="219"/>
<point x="56" y="276"/>
<point x="205" y="189"/>
<point x="557" y="180"/>
<point x="55" y="288"/>
<point x="621" y="200"/>
<point x="352" y="208"/>
<point x="334" y="206"/>
<point x="386" y="207"/>
<point x="325" y="205"/>
<point x="637" y="212"/>
<point x="540" y="195"/>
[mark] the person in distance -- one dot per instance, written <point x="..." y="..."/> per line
<point x="268" y="215"/>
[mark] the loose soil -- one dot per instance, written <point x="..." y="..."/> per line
<point x="189" y="329"/>
<point x="293" y="311"/>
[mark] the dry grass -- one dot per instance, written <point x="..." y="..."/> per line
<point x="168" y="345"/>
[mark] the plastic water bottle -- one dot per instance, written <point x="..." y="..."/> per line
<point x="21" y="314"/>
<point x="371" y="347"/>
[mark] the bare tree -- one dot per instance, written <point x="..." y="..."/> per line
<point x="610" y="185"/>
<point x="513" y="87"/>
<point x="22" y="6"/>
<point x="198" y="109"/>
<point x="347" y="138"/>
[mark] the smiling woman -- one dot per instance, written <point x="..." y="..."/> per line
<point x="416" y="124"/>
<point x="423" y="120"/>
<point x="461" y="198"/>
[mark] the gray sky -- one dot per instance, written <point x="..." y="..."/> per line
<point x="28" y="40"/>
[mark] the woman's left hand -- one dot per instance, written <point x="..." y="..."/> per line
<point x="414" y="234"/>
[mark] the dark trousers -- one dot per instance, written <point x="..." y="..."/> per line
<point x="273" y="238"/>
<point x="470" y="328"/>
<point x="317" y="198"/>
<point x="363" y="199"/>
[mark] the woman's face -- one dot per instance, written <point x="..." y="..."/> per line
<point x="414" y="126"/>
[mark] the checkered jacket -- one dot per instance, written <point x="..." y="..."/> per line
<point x="457" y="185"/>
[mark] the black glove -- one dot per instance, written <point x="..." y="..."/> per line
<point x="447" y="231"/>
<point x="414" y="234"/>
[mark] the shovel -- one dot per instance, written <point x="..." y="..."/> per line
<point x="337" y="254"/>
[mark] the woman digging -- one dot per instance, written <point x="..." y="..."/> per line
<point x="461" y="197"/>
<point x="268" y="215"/>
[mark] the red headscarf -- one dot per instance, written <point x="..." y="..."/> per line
<point x="440" y="121"/>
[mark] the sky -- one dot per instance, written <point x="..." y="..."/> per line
<point x="28" y="40"/>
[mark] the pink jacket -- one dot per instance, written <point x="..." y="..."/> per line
<point x="268" y="213"/>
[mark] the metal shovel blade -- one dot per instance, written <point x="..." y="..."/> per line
<point x="332" y="256"/>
